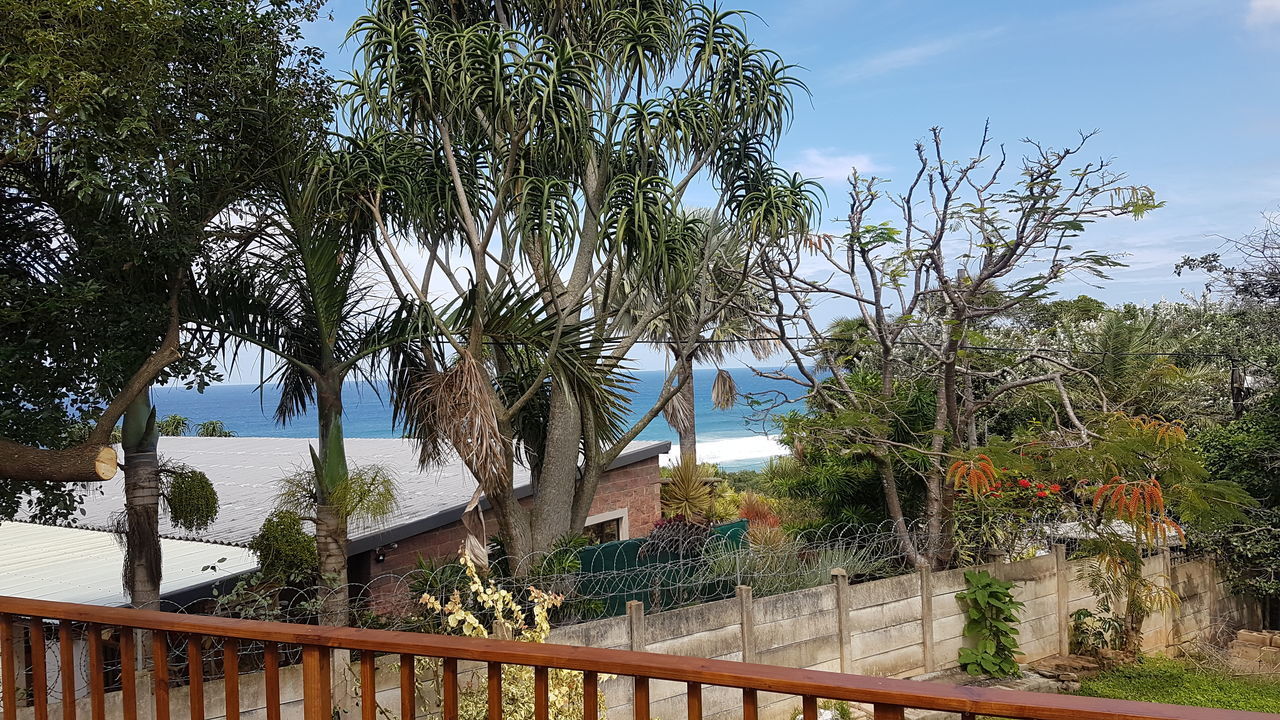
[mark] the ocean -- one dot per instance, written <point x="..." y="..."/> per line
<point x="730" y="438"/>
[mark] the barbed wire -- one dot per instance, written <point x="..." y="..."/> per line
<point x="662" y="578"/>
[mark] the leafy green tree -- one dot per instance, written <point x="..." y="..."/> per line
<point x="167" y="109"/>
<point x="300" y="291"/>
<point x="1247" y="451"/>
<point x="546" y="146"/>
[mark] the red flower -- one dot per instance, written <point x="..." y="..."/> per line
<point x="1039" y="486"/>
<point x="1024" y="483"/>
<point x="1042" y="493"/>
<point x="995" y="494"/>
<point x="999" y="484"/>
<point x="1055" y="487"/>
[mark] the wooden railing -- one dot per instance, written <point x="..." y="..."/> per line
<point x="889" y="697"/>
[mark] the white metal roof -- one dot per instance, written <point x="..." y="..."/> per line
<point x="47" y="562"/>
<point x="246" y="472"/>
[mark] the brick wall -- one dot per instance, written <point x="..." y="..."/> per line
<point x="633" y="486"/>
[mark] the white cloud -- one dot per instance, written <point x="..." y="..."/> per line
<point x="1263" y="13"/>
<point x="830" y="165"/>
<point x="918" y="54"/>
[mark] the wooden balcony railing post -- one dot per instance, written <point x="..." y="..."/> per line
<point x="231" y="676"/>
<point x="160" y="673"/>
<point x="271" y="678"/>
<point x="195" y="677"/>
<point x="495" y="691"/>
<point x="693" y="699"/>
<point x="640" y="699"/>
<point x="884" y="711"/>
<point x="129" y="674"/>
<point x="750" y="704"/>
<point x="810" y="707"/>
<point x="368" y="687"/>
<point x="39" y="671"/>
<point x="408" y="688"/>
<point x="67" y="668"/>
<point x="449" y="703"/>
<point x="590" y="696"/>
<point x="8" y="670"/>
<point x="317" y="677"/>
<point x="97" y="683"/>
<point x="541" y="693"/>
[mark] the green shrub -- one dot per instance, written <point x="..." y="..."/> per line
<point x="992" y="613"/>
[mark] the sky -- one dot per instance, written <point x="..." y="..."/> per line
<point x="1182" y="93"/>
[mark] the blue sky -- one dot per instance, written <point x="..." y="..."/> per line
<point x="1183" y="93"/>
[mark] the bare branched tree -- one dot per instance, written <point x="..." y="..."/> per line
<point x="967" y="250"/>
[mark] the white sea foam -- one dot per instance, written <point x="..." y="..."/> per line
<point x="726" y="450"/>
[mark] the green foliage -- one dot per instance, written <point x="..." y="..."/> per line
<point x="1246" y="451"/>
<point x="190" y="497"/>
<point x="991" y="613"/>
<point x="836" y="709"/>
<point x="1178" y="683"/>
<point x="1248" y="553"/>
<point x="213" y="428"/>
<point x="368" y="493"/>
<point x="688" y="491"/>
<point x="173" y="425"/>
<point x="1092" y="633"/>
<point x="284" y="548"/>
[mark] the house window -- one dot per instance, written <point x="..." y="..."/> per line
<point x="607" y="526"/>
<point x="603" y="532"/>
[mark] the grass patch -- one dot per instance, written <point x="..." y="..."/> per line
<point x="1160" y="679"/>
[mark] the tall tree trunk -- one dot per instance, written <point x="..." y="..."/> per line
<point x="550" y="516"/>
<point x="140" y="438"/>
<point x="331" y="525"/>
<point x="688" y="429"/>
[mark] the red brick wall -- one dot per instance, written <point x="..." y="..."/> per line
<point x="635" y="487"/>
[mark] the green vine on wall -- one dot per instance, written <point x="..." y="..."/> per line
<point x="991" y="615"/>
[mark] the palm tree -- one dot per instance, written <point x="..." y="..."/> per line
<point x="298" y="291"/>
<point x="719" y="311"/>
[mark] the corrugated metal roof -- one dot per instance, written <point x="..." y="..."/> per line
<point x="47" y="562"/>
<point x="245" y="471"/>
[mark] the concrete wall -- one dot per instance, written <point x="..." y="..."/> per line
<point x="897" y="627"/>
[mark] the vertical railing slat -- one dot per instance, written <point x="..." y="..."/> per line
<point x="160" y="673"/>
<point x="810" y="705"/>
<point x="750" y="704"/>
<point x="590" y="696"/>
<point x="129" y="673"/>
<point x="8" y="669"/>
<point x="67" y="668"/>
<point x="317" y="696"/>
<point x="449" y="702"/>
<point x="495" y="691"/>
<point x="694" y="700"/>
<point x="39" y="671"/>
<point x="884" y="711"/>
<point x="231" y="677"/>
<point x="408" y="688"/>
<point x="195" y="677"/>
<point x="541" y="693"/>
<point x="640" y="699"/>
<point x="368" y="686"/>
<point x="97" y="680"/>
<point x="271" y="678"/>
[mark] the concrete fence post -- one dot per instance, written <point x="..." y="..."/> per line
<point x="1061" y="571"/>
<point x="635" y="623"/>
<point x="840" y="579"/>
<point x="1171" y="613"/>
<point x="747" y="620"/>
<point x="926" y="619"/>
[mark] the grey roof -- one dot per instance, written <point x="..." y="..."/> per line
<point x="245" y="472"/>
<point x="47" y="562"/>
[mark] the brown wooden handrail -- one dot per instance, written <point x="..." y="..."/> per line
<point x="750" y="677"/>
